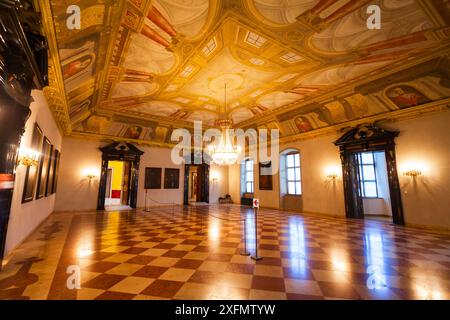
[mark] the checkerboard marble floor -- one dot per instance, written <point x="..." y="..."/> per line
<point x="195" y="253"/>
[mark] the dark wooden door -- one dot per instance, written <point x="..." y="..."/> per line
<point x="394" y="185"/>
<point x="198" y="185"/>
<point x="186" y="184"/>
<point x="126" y="179"/>
<point x="128" y="153"/>
<point x="108" y="183"/>
<point x="204" y="181"/>
<point x="133" y="184"/>
<point x="367" y="139"/>
<point x="354" y="196"/>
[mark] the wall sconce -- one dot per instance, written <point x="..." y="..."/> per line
<point x="412" y="173"/>
<point x="214" y="177"/>
<point x="414" y="169"/>
<point x="332" y="172"/>
<point x="332" y="176"/>
<point x="28" y="157"/>
<point x="90" y="173"/>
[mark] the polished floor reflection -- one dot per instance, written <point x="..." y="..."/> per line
<point x="195" y="253"/>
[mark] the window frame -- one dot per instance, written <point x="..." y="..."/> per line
<point x="363" y="181"/>
<point x="295" y="181"/>
<point x="246" y="171"/>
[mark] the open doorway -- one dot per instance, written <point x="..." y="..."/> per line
<point x="196" y="184"/>
<point x="374" y="185"/>
<point x="194" y="192"/>
<point x="117" y="193"/>
<point x="369" y="173"/>
<point x="129" y="156"/>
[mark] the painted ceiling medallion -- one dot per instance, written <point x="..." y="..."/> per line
<point x="231" y="80"/>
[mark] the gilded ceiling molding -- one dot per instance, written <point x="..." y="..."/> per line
<point x="106" y="138"/>
<point x="349" y="86"/>
<point x="55" y="92"/>
<point x="393" y="116"/>
<point x="106" y="50"/>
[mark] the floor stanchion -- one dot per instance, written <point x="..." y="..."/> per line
<point x="146" y="205"/>
<point x="256" y="257"/>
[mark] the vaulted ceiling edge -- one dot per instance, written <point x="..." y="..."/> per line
<point x="138" y="69"/>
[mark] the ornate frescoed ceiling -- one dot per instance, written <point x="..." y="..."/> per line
<point x="137" y="69"/>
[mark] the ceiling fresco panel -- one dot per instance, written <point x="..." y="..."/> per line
<point x="138" y="69"/>
<point x="283" y="11"/>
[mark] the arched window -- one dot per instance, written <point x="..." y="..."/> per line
<point x="247" y="180"/>
<point x="290" y="174"/>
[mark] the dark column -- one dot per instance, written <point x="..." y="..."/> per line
<point x="186" y="185"/>
<point x="205" y="182"/>
<point x="134" y="184"/>
<point x="102" y="185"/>
<point x="353" y="201"/>
<point x="394" y="185"/>
<point x="19" y="74"/>
<point x="12" y="122"/>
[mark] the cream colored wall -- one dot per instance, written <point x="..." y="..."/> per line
<point x="426" y="142"/>
<point x="24" y="218"/>
<point x="267" y="198"/>
<point x="76" y="193"/>
<point x="320" y="195"/>
<point x="159" y="158"/>
<point x="426" y="200"/>
<point x="220" y="187"/>
<point x="234" y="183"/>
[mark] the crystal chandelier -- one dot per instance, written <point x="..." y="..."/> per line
<point x="224" y="152"/>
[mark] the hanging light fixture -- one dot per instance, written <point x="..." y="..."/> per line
<point x="224" y="152"/>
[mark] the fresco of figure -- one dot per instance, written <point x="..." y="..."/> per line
<point x="303" y="124"/>
<point x="76" y="66"/>
<point x="133" y="132"/>
<point x="406" y="96"/>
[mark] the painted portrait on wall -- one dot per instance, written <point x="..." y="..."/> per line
<point x="76" y="66"/>
<point x="265" y="176"/>
<point x="78" y="63"/>
<point x="153" y="178"/>
<point x="303" y="124"/>
<point x="133" y="132"/>
<point x="44" y="168"/>
<point x="55" y="164"/>
<point x="32" y="171"/>
<point x="171" y="178"/>
<point x="406" y="96"/>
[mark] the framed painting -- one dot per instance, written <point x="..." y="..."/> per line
<point x="51" y="173"/>
<point x="55" y="164"/>
<point x="265" y="176"/>
<point x="29" y="187"/>
<point x="171" y="178"/>
<point x="44" y="166"/>
<point x="153" y="178"/>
